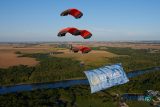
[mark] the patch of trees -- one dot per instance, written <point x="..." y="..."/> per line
<point x="140" y="84"/>
<point x="78" y="96"/>
<point x="49" y="69"/>
<point x="18" y="52"/>
<point x="135" y="59"/>
<point x="15" y="74"/>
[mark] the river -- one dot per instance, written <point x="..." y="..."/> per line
<point x="63" y="84"/>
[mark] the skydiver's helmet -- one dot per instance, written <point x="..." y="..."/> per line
<point x="85" y="49"/>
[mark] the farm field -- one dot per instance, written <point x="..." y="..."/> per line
<point x="8" y="54"/>
<point x="93" y="58"/>
<point x="10" y="58"/>
<point x="132" y="45"/>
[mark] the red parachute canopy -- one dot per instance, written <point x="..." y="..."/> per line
<point x="83" y="49"/>
<point x="74" y="12"/>
<point x="73" y="31"/>
<point x="85" y="34"/>
<point x="75" y="49"/>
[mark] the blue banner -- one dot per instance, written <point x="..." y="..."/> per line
<point x="105" y="77"/>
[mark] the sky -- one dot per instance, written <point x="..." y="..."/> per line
<point x="107" y="20"/>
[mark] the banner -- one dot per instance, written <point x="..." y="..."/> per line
<point x="105" y="77"/>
